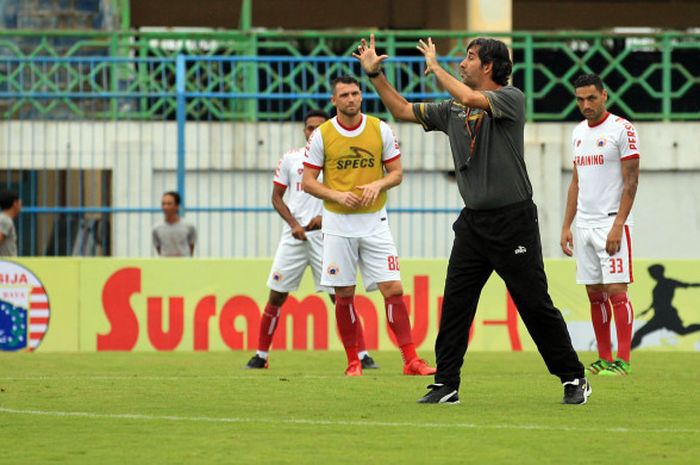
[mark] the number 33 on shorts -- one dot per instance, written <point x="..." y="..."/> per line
<point x="616" y="266"/>
<point x="393" y="263"/>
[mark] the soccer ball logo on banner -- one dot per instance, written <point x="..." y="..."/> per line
<point x="24" y="308"/>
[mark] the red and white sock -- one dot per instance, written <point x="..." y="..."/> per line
<point x="624" y="318"/>
<point x="346" y="318"/>
<point x="268" y="324"/>
<point x="397" y="316"/>
<point x="601" y="313"/>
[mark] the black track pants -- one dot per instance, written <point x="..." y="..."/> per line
<point x="506" y="240"/>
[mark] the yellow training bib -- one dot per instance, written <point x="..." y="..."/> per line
<point x="351" y="162"/>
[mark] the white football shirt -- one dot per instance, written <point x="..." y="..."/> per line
<point x="289" y="173"/>
<point x="357" y="224"/>
<point x="598" y="152"/>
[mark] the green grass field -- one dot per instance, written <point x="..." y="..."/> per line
<point x="202" y="408"/>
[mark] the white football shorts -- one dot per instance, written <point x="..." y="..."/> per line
<point x="292" y="258"/>
<point x="375" y="255"/>
<point x="594" y="265"/>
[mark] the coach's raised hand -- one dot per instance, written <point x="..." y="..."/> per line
<point x="427" y="48"/>
<point x="367" y="54"/>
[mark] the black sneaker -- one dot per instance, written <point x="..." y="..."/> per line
<point x="369" y="363"/>
<point x="576" y="391"/>
<point x="257" y="362"/>
<point x="440" y="394"/>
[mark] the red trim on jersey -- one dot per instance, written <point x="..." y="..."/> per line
<point x="607" y="113"/>
<point x="391" y="159"/>
<point x="279" y="184"/>
<point x="629" y="251"/>
<point x="350" y="129"/>
<point x="630" y="157"/>
<point x="312" y="166"/>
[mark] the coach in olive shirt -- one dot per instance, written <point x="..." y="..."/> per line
<point x="494" y="175"/>
<point x="497" y="230"/>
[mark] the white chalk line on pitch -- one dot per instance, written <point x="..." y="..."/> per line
<point x="165" y="378"/>
<point x="361" y="423"/>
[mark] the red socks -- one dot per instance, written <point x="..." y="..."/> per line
<point x="268" y="324"/>
<point x="601" y="313"/>
<point x="360" y="336"/>
<point x="624" y="318"/>
<point x="397" y="316"/>
<point x="347" y="321"/>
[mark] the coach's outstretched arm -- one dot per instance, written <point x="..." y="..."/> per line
<point x="372" y="65"/>
<point x="461" y="92"/>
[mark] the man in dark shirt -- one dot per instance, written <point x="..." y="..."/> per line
<point x="497" y="229"/>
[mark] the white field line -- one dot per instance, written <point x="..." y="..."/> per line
<point x="164" y="378"/>
<point x="359" y="423"/>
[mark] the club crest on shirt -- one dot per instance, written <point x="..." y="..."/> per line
<point x="24" y="308"/>
<point x="333" y="270"/>
<point x="277" y="276"/>
<point x="601" y="142"/>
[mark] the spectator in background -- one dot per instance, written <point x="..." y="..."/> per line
<point x="11" y="206"/>
<point x="174" y="237"/>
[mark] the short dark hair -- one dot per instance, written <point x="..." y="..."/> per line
<point x="345" y="79"/>
<point x="313" y="113"/>
<point x="586" y="80"/>
<point x="7" y="199"/>
<point x="495" y="52"/>
<point x="175" y="197"/>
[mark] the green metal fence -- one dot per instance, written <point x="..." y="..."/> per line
<point x="649" y="76"/>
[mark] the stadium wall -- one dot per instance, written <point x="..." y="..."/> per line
<point x="88" y="305"/>
<point x="229" y="168"/>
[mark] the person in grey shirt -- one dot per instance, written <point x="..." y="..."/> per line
<point x="174" y="237"/>
<point x="497" y="230"/>
<point x="11" y="204"/>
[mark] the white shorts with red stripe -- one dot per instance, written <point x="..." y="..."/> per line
<point x="375" y="256"/>
<point x="594" y="265"/>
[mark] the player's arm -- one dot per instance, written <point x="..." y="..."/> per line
<point x="630" y="179"/>
<point x="281" y="207"/>
<point x="397" y="105"/>
<point x="681" y="284"/>
<point x="461" y="92"/>
<point x="312" y="186"/>
<point x="393" y="177"/>
<point x="315" y="223"/>
<point x="567" y="239"/>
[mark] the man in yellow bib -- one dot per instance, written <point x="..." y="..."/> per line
<point x="360" y="159"/>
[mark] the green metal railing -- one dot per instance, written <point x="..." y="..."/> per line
<point x="649" y="76"/>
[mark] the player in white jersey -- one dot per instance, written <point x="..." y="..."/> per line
<point x="360" y="160"/>
<point x="601" y="194"/>
<point x="300" y="246"/>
